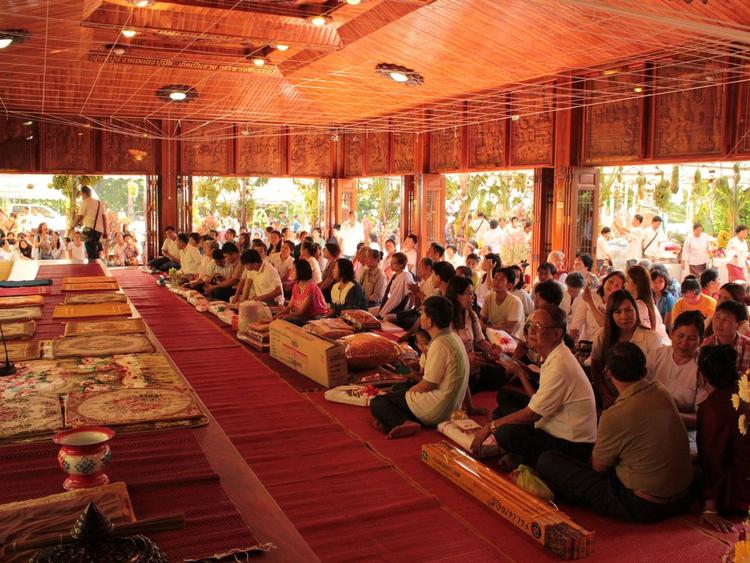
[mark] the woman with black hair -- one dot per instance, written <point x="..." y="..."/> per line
<point x="663" y="298"/>
<point x="346" y="293"/>
<point x="723" y="452"/>
<point x="638" y="283"/>
<point x="730" y="292"/>
<point x="307" y="302"/>
<point x="622" y="324"/>
<point x="589" y="319"/>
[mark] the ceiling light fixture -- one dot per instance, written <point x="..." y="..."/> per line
<point x="281" y="47"/>
<point x="129" y="33"/>
<point x="178" y="93"/>
<point x="27" y="123"/>
<point x="319" y="20"/>
<point x="141" y="3"/>
<point x="515" y="117"/>
<point x="259" y="61"/>
<point x="10" y="37"/>
<point x="30" y="137"/>
<point x="400" y="74"/>
<point x="638" y="89"/>
<point x="353" y="2"/>
<point x="116" y="49"/>
<point x="609" y="72"/>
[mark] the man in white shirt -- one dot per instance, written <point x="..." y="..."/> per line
<point x="265" y="282"/>
<point x="442" y="388"/>
<point x="634" y="234"/>
<point x="480" y="226"/>
<point x="602" y="252"/>
<point x="352" y="233"/>
<point x="654" y="239"/>
<point x="410" y="250"/>
<point x="372" y="279"/>
<point x="170" y="254"/>
<point x="695" y="251"/>
<point x="190" y="256"/>
<point x="283" y="260"/>
<point x="494" y="237"/>
<point x="501" y="309"/>
<point x="561" y="414"/>
<point x="92" y="216"/>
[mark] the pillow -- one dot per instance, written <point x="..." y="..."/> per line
<point x="360" y="319"/>
<point x="367" y="350"/>
<point x="329" y="328"/>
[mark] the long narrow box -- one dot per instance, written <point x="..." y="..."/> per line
<point x="318" y="358"/>
<point x="544" y="522"/>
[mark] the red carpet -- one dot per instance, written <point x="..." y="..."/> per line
<point x="351" y="493"/>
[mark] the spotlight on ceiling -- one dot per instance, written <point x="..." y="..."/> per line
<point x="10" y="37"/>
<point x="30" y="137"/>
<point x="281" y="47"/>
<point x="28" y="123"/>
<point x="129" y="33"/>
<point x="140" y="3"/>
<point x="400" y="74"/>
<point x="515" y="117"/>
<point x="259" y="61"/>
<point x="638" y="89"/>
<point x="178" y="93"/>
<point x="353" y="2"/>
<point x="116" y="49"/>
<point x="319" y="20"/>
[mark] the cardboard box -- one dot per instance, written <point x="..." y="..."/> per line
<point x="313" y="356"/>
<point x="544" y="522"/>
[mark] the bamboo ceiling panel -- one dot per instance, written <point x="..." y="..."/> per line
<point x="464" y="50"/>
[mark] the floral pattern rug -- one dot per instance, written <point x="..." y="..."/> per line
<point x="22" y="351"/>
<point x="107" y="286"/>
<point x="88" y="279"/>
<point x="25" y="416"/>
<point x="20" y="314"/>
<point x="100" y="345"/>
<point x="115" y="326"/>
<point x="19" y="331"/>
<point x="105" y="297"/>
<point x="130" y="406"/>
<point x="91" y="310"/>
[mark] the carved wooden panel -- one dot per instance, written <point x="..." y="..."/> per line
<point x="532" y="128"/>
<point x="354" y="161"/>
<point x="445" y="149"/>
<point x="127" y="154"/>
<point x="742" y="138"/>
<point x="67" y="149"/>
<point x="310" y="155"/>
<point x="17" y="150"/>
<point x="259" y="152"/>
<point x="377" y="153"/>
<point x="206" y="151"/>
<point x="486" y="136"/>
<point x="613" y="129"/>
<point x="689" y="122"/>
<point x="403" y="153"/>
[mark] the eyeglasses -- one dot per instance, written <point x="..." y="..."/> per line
<point x="537" y="326"/>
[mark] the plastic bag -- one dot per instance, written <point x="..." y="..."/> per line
<point x="526" y="479"/>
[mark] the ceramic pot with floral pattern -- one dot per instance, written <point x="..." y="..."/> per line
<point x="84" y="451"/>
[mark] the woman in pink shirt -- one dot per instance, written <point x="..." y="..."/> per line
<point x="307" y="302"/>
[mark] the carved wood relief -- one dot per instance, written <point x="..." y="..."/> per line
<point x="403" y="156"/>
<point x="17" y="151"/>
<point x="486" y="137"/>
<point x="127" y="154"/>
<point x="259" y="153"/>
<point x="743" y="120"/>
<point x="354" y="154"/>
<point x="612" y="130"/>
<point x="377" y="153"/>
<point x="67" y="149"/>
<point x="310" y="155"/>
<point x="207" y="151"/>
<point x="531" y="134"/>
<point x="445" y="149"/>
<point x="689" y="122"/>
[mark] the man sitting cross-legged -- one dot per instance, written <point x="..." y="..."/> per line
<point x="264" y="285"/>
<point x="561" y="414"/>
<point x="224" y="290"/>
<point x="216" y="272"/>
<point x="640" y="468"/>
<point x="443" y="387"/>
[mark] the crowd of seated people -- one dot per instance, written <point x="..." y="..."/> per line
<point x="617" y="391"/>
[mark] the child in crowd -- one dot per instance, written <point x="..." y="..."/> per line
<point x="422" y="338"/>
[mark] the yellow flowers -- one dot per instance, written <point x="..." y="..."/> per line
<point x="742" y="424"/>
<point x="744" y="388"/>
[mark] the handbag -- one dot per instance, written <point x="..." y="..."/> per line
<point x="89" y="230"/>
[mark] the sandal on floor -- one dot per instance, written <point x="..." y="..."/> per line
<point x="408" y="428"/>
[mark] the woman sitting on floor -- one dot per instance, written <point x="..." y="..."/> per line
<point x="638" y="283"/>
<point x="307" y="302"/>
<point x="346" y="293"/>
<point x="729" y="292"/>
<point x="675" y="367"/>
<point x="622" y="324"/>
<point x="724" y="453"/>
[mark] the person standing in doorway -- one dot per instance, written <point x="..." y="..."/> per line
<point x="92" y="215"/>
<point x="695" y="251"/>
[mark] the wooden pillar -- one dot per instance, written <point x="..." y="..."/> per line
<point x="408" y="223"/>
<point x="544" y="191"/>
<point x="184" y="203"/>
<point x="431" y="209"/>
<point x="168" y="168"/>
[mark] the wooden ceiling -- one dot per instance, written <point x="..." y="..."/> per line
<point x="69" y="67"/>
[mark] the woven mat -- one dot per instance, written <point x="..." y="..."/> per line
<point x="114" y="326"/>
<point x="100" y="345"/>
<point x="13" y="291"/>
<point x="88" y="279"/>
<point x="90" y="298"/>
<point x="109" y="286"/>
<point x="21" y="301"/>
<point x="91" y="310"/>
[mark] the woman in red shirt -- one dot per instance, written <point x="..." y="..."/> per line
<point x="307" y="302"/>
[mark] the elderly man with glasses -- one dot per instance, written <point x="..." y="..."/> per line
<point x="561" y="413"/>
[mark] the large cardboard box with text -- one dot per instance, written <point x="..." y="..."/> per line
<point x="318" y="358"/>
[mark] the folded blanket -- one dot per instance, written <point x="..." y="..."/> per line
<point x="25" y="283"/>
